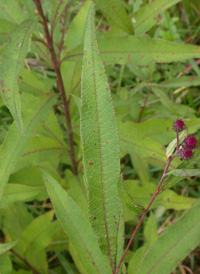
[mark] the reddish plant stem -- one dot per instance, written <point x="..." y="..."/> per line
<point x="144" y="106"/>
<point x="145" y="212"/>
<point x="177" y="138"/>
<point x="25" y="262"/>
<point x="66" y="103"/>
<point x="22" y="259"/>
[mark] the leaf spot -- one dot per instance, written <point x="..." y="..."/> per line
<point x="107" y="142"/>
<point x="9" y="90"/>
<point x="91" y="163"/>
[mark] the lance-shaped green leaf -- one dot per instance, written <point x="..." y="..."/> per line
<point x="127" y="199"/>
<point x="6" y="247"/>
<point x="15" y="143"/>
<point x="100" y="144"/>
<point x="116" y="13"/>
<point x="170" y="148"/>
<point x="77" y="228"/>
<point x="184" y="172"/>
<point x="15" y="192"/>
<point x="138" y="50"/>
<point x="173" y="245"/>
<point x="76" y="31"/>
<point x="146" y="17"/>
<point x="12" y="63"/>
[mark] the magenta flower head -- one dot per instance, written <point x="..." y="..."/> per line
<point x="178" y="125"/>
<point x="186" y="154"/>
<point x="191" y="141"/>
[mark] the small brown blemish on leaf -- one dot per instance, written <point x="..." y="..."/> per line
<point x="107" y="142"/>
<point x="89" y="62"/>
<point x="2" y="83"/>
<point x="150" y="42"/>
<point x="91" y="163"/>
<point x="7" y="91"/>
<point x="9" y="39"/>
<point x="114" y="217"/>
<point x="107" y="88"/>
<point x="150" y="194"/>
<point x="94" y="218"/>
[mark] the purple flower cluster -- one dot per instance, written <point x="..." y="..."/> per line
<point x="188" y="144"/>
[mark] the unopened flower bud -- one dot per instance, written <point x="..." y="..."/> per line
<point x="186" y="154"/>
<point x="191" y="141"/>
<point x="178" y="125"/>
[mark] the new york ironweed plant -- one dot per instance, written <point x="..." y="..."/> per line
<point x="87" y="174"/>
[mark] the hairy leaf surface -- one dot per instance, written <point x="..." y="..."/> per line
<point x="77" y="228"/>
<point x="138" y="50"/>
<point x="100" y="143"/>
<point x="12" y="63"/>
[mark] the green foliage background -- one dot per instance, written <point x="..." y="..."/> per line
<point x="79" y="162"/>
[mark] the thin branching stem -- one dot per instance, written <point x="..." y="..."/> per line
<point x="146" y="210"/>
<point x="66" y="103"/>
<point x="144" y="105"/>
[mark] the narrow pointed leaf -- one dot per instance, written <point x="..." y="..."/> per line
<point x="138" y="50"/>
<point x="147" y="16"/>
<point x="116" y="13"/>
<point x="100" y="144"/>
<point x="15" y="143"/>
<point x="77" y="228"/>
<point x="173" y="245"/>
<point x="11" y="65"/>
<point x="184" y="172"/>
<point x="15" y="192"/>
